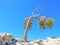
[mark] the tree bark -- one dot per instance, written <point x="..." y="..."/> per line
<point x="25" y="35"/>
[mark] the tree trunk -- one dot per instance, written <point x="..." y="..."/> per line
<point x="27" y="27"/>
<point x="25" y="35"/>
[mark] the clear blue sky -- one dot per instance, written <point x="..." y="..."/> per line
<point x="13" y="12"/>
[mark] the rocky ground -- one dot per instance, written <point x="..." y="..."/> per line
<point x="8" y="39"/>
<point x="33" y="42"/>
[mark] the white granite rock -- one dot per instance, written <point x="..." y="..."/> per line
<point x="6" y="37"/>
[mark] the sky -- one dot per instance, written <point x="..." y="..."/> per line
<point x="13" y="13"/>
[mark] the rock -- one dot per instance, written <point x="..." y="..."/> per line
<point x="6" y="38"/>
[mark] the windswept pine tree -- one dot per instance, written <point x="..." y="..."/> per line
<point x="43" y="23"/>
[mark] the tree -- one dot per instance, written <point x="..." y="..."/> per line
<point x="43" y="23"/>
